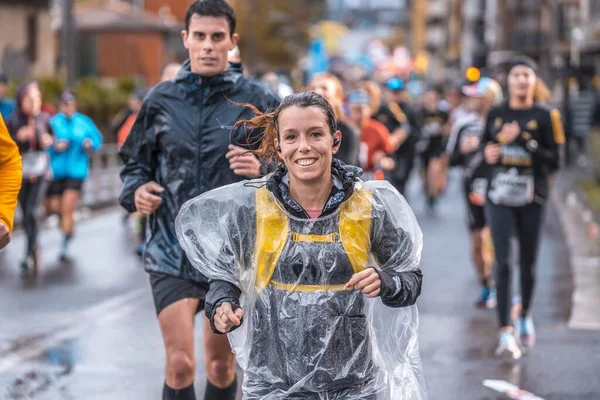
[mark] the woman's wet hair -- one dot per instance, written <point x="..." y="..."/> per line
<point x="541" y="93"/>
<point x="268" y="122"/>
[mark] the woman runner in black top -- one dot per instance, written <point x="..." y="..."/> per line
<point x="521" y="146"/>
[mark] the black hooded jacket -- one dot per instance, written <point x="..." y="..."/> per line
<point x="18" y="120"/>
<point x="179" y="140"/>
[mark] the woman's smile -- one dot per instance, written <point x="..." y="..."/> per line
<point x="306" y="162"/>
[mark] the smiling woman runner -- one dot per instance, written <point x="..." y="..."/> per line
<point x="313" y="273"/>
<point x="522" y="145"/>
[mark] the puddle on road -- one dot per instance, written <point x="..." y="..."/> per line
<point x="45" y="372"/>
<point x="64" y="356"/>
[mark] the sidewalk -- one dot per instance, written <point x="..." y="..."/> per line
<point x="577" y="221"/>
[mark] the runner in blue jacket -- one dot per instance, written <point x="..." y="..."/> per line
<point x="76" y="137"/>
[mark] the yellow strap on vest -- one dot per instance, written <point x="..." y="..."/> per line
<point x="272" y="233"/>
<point x="292" y="287"/>
<point x="557" y="126"/>
<point x="397" y="111"/>
<point x="355" y="228"/>
<point x="331" y="238"/>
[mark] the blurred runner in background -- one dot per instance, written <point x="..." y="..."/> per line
<point x="463" y="149"/>
<point x="433" y="156"/>
<point x="30" y="128"/>
<point x="330" y="87"/>
<point x="521" y="143"/>
<point x="77" y="137"/>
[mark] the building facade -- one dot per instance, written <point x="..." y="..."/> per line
<point x="118" y="39"/>
<point x="523" y="27"/>
<point x="27" y="45"/>
<point x="356" y="12"/>
<point x="589" y="46"/>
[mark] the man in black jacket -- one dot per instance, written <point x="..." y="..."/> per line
<point x="182" y="144"/>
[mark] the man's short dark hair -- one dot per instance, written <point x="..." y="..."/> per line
<point x="211" y="8"/>
<point x="3" y="79"/>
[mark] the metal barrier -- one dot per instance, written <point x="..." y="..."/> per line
<point x="102" y="186"/>
<point x="103" y="183"/>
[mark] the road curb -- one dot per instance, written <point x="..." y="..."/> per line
<point x="577" y="220"/>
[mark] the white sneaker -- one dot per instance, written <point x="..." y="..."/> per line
<point x="52" y="221"/>
<point x="525" y="331"/>
<point x="508" y="346"/>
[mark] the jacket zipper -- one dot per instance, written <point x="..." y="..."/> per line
<point x="199" y="138"/>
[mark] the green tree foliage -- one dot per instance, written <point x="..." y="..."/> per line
<point x="275" y="34"/>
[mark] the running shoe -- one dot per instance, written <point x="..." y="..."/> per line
<point x="37" y="260"/>
<point x="64" y="258"/>
<point x="526" y="331"/>
<point x="28" y="266"/>
<point x="487" y="298"/>
<point x="491" y="301"/>
<point x="431" y="202"/>
<point x="508" y="346"/>
<point x="481" y="301"/>
<point x="25" y="264"/>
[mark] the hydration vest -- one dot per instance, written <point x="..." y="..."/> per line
<point x="272" y="232"/>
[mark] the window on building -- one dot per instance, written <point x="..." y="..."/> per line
<point x="595" y="7"/>
<point x="32" y="34"/>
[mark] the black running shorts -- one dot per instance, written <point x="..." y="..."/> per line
<point x="167" y="289"/>
<point x="57" y="188"/>
<point x="475" y="213"/>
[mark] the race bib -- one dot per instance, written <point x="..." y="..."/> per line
<point x="35" y="164"/>
<point x="509" y="188"/>
<point x="432" y="129"/>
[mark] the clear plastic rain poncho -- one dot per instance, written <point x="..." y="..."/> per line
<point x="304" y="336"/>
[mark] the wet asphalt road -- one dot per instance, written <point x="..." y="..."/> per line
<point x="88" y="330"/>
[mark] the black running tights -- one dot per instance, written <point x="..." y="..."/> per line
<point x="525" y="223"/>
<point x="29" y="199"/>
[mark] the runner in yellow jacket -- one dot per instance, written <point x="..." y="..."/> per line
<point x="10" y="183"/>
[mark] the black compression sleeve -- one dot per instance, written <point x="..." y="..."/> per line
<point x="221" y="292"/>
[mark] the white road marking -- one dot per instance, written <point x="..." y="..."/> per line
<point x="510" y="390"/>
